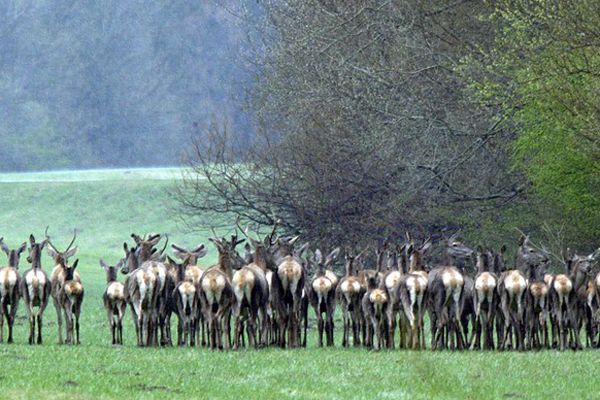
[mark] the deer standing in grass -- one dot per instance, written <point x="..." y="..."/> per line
<point x="445" y="287"/>
<point x="321" y="294"/>
<point x="139" y="292"/>
<point x="57" y="277"/>
<point x="413" y="291"/>
<point x="35" y="289"/>
<point x="349" y="296"/>
<point x="485" y="298"/>
<point x="193" y="273"/>
<point x="374" y="307"/>
<point x="70" y="299"/>
<point x="216" y="294"/>
<point x="114" y="300"/>
<point x="9" y="289"/>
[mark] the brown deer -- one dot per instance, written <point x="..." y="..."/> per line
<point x="57" y="277"/>
<point x="445" y="287"/>
<point x="9" y="289"/>
<point x="139" y="292"/>
<point x="114" y="300"/>
<point x="396" y="269"/>
<point x="251" y="289"/>
<point x="216" y="293"/>
<point x="287" y="287"/>
<point x="185" y="296"/>
<point x="349" y="296"/>
<point x="536" y="309"/>
<point x="70" y="299"/>
<point x="413" y="292"/>
<point x="193" y="273"/>
<point x="321" y="294"/>
<point x="35" y="289"/>
<point x="151" y="261"/>
<point x="485" y="298"/>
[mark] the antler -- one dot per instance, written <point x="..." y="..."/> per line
<point x="72" y="241"/>
<point x="277" y="222"/>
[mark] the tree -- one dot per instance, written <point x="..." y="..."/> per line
<point x="364" y="127"/>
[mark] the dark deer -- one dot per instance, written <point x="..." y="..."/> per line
<point x="186" y="299"/>
<point x="9" y="289"/>
<point x="321" y="295"/>
<point x="114" y="300"/>
<point x="374" y="307"/>
<point x="35" y="289"/>
<point x="57" y="277"/>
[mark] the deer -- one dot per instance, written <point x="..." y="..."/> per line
<point x="139" y="293"/>
<point x="9" y="289"/>
<point x="216" y="293"/>
<point x="445" y="287"/>
<point x="57" y="276"/>
<point x="114" y="300"/>
<point x="35" y="289"/>
<point x="536" y="311"/>
<point x="287" y="287"/>
<point x="413" y="291"/>
<point x="349" y="296"/>
<point x="485" y="299"/>
<point x="70" y="299"/>
<point x="512" y="287"/>
<point x="580" y="270"/>
<point x="193" y="273"/>
<point x="374" y="307"/>
<point x="151" y="261"/>
<point x="396" y="268"/>
<point x="186" y="301"/>
<point x="321" y="294"/>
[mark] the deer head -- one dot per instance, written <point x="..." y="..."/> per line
<point x="61" y="257"/>
<point x="528" y="256"/>
<point x="111" y="271"/>
<point x="499" y="266"/>
<point x="131" y="260"/>
<point x="70" y="270"/>
<point x="189" y="257"/>
<point x="35" y="252"/>
<point x="146" y="246"/>
<point x="229" y="258"/>
<point x="13" y="255"/>
<point x="485" y="261"/>
<point x="321" y="264"/>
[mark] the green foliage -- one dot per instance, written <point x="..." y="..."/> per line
<point x="542" y="71"/>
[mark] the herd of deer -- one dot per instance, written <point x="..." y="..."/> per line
<point x="266" y="292"/>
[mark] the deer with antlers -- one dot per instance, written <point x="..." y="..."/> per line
<point x="58" y="277"/>
<point x="70" y="299"/>
<point x="35" y="289"/>
<point x="9" y="289"/>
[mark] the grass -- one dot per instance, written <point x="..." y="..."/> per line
<point x="105" y="207"/>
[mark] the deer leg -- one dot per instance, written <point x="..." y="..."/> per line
<point x="31" y="325"/>
<point x="3" y="314"/>
<point x="11" y="319"/>
<point x="58" y="308"/>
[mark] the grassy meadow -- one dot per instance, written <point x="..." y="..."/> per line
<point x="106" y="207"/>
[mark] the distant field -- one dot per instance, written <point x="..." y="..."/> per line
<point x="105" y="207"/>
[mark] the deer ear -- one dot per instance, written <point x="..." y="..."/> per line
<point x="332" y="256"/>
<point x="200" y="251"/>
<point x="293" y="240"/>
<point x="318" y="257"/>
<point x="103" y="264"/>
<point x="52" y="252"/>
<point x="71" y="252"/>
<point x="302" y="250"/>
<point x="120" y="264"/>
<point x="155" y="239"/>
<point x="4" y="246"/>
<point x="75" y="263"/>
<point x="125" y="247"/>
<point x="31" y="239"/>
<point x="479" y="248"/>
<point x="136" y="238"/>
<point x="22" y="248"/>
<point x="522" y="240"/>
<point x="503" y="249"/>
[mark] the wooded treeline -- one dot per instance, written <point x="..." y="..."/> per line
<point x="113" y="82"/>
<point x="374" y="118"/>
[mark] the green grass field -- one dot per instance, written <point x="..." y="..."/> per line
<point x="106" y="207"/>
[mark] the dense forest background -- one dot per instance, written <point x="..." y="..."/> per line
<point x="114" y="82"/>
<point x="348" y="121"/>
